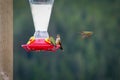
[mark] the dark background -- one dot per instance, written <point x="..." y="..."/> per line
<point x="95" y="58"/>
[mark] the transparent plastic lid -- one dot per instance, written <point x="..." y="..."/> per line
<point x="41" y="34"/>
<point x="41" y="1"/>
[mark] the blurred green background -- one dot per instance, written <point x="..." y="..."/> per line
<point x="96" y="58"/>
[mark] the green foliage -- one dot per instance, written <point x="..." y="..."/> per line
<point x="95" y="58"/>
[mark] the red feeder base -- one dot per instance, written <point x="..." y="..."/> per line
<point x="40" y="45"/>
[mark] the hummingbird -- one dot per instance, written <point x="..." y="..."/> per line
<point x="58" y="41"/>
<point x="52" y="40"/>
<point x="86" y="34"/>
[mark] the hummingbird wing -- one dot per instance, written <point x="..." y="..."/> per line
<point x="60" y="45"/>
